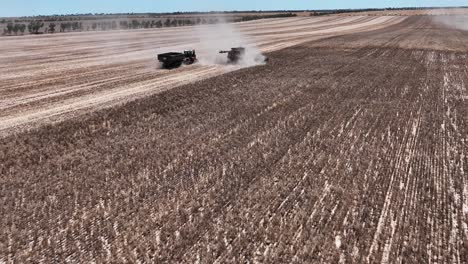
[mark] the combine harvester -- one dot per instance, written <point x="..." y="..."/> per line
<point x="172" y="60"/>
<point x="236" y="55"/>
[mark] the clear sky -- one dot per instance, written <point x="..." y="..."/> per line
<point x="49" y="7"/>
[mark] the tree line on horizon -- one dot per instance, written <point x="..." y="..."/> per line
<point x="33" y="28"/>
<point x="39" y="27"/>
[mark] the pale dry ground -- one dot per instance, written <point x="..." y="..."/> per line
<point x="50" y="78"/>
<point x="443" y="11"/>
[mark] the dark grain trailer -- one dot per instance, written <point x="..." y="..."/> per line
<point x="172" y="60"/>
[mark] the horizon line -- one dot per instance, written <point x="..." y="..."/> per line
<point x="240" y="11"/>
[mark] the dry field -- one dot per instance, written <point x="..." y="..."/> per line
<point x="346" y="148"/>
<point x="46" y="78"/>
<point x="421" y="12"/>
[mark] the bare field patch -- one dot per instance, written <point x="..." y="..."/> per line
<point x="421" y="12"/>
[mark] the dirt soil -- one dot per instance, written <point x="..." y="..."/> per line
<point x="350" y="149"/>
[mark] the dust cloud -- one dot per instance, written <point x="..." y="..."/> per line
<point x="224" y="36"/>
<point x="455" y="21"/>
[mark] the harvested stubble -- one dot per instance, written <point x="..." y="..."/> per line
<point x="336" y="150"/>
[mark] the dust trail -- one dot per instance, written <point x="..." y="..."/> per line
<point x="224" y="36"/>
<point x="455" y="21"/>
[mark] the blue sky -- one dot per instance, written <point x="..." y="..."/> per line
<point x="48" y="7"/>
